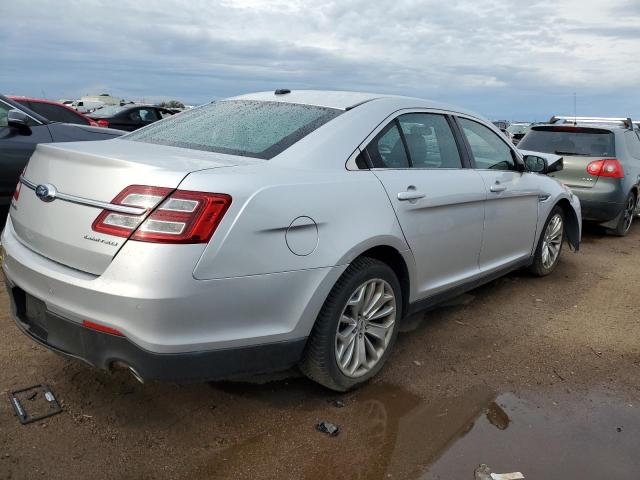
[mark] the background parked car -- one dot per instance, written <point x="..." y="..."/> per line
<point x="54" y="111"/>
<point x="129" y="117"/>
<point x="21" y="129"/>
<point x="85" y="106"/>
<point x="601" y="165"/>
<point x="517" y="131"/>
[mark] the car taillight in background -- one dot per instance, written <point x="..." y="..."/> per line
<point x="16" y="194"/>
<point x="178" y="217"/>
<point x="606" y="168"/>
<point x="103" y="123"/>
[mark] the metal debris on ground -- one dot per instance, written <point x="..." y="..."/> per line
<point x="328" y="428"/>
<point x="337" y="403"/>
<point x="483" y="472"/>
<point x="507" y="476"/>
<point x="44" y="402"/>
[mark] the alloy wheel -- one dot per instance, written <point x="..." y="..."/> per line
<point x="365" y="327"/>
<point x="628" y="213"/>
<point x="552" y="241"/>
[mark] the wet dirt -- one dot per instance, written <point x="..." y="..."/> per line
<point x="550" y="435"/>
<point x="523" y="374"/>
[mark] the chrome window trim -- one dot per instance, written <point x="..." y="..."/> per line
<point x="363" y="145"/>
<point x="87" y="201"/>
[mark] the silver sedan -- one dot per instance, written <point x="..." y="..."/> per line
<point x="274" y="229"/>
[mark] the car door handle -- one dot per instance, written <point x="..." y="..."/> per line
<point x="410" y="195"/>
<point x="497" y="188"/>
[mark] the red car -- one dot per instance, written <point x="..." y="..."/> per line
<point x="54" y="111"/>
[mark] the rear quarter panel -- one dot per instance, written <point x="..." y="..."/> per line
<point x="351" y="212"/>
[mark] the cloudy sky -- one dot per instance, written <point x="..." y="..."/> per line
<point x="506" y="59"/>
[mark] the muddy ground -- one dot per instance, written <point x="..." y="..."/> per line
<point x="533" y="375"/>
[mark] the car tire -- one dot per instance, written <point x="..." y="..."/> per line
<point x="549" y="244"/>
<point x="326" y="352"/>
<point x="626" y="217"/>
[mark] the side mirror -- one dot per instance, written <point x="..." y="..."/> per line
<point x="19" y="120"/>
<point x="535" y="164"/>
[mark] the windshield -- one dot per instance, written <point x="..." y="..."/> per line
<point x="591" y="142"/>
<point x="517" y="129"/>
<point x="109" y="111"/>
<point x="238" y="127"/>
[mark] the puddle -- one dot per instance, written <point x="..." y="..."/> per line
<point x="386" y="432"/>
<point x="594" y="437"/>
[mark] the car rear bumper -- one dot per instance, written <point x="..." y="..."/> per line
<point x="601" y="203"/>
<point x="104" y="350"/>
<point x="171" y="322"/>
<point x="595" y="211"/>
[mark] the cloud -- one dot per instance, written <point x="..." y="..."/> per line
<point x="521" y="56"/>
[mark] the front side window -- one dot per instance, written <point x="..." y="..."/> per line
<point x="430" y="141"/>
<point x="248" y="128"/>
<point x="489" y="151"/>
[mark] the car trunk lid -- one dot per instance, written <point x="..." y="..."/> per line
<point x="94" y="172"/>
<point x="574" y="172"/>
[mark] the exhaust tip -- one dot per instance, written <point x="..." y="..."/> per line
<point x="125" y="366"/>
<point x="135" y="374"/>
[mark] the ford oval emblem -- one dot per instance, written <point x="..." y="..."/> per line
<point x="46" y="192"/>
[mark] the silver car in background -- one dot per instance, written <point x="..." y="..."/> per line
<point x="273" y="229"/>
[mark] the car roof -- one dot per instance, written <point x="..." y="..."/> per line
<point x="31" y="99"/>
<point x="16" y="98"/>
<point x="598" y="126"/>
<point x="341" y="100"/>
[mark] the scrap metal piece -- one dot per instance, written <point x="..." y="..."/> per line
<point x="31" y="393"/>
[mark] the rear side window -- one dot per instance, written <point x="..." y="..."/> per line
<point x="430" y="141"/>
<point x="56" y="113"/>
<point x="633" y="144"/>
<point x="580" y="141"/>
<point x="238" y="127"/>
<point x="143" y="115"/>
<point x="386" y="150"/>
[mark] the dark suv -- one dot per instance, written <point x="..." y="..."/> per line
<point x="21" y="130"/>
<point x="601" y="165"/>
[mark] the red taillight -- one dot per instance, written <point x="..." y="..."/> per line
<point x="182" y="217"/>
<point x="122" y="224"/>
<point x="102" y="328"/>
<point x="102" y="123"/>
<point x="16" y="194"/>
<point x="610" y="167"/>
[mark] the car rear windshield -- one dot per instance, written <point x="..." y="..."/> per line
<point x="238" y="127"/>
<point x="109" y="111"/>
<point x="582" y="141"/>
